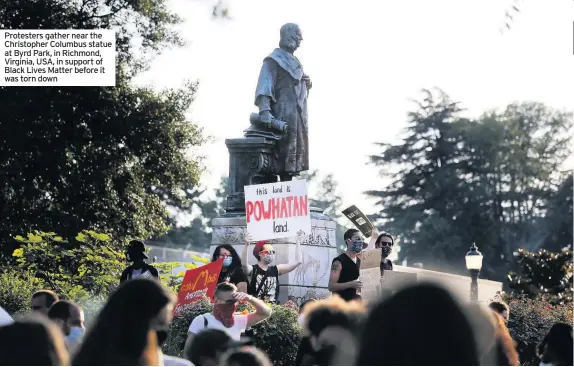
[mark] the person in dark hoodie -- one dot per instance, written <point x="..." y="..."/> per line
<point x="139" y="268"/>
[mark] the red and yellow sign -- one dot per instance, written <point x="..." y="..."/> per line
<point x="197" y="283"/>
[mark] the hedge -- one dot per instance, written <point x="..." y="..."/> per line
<point x="278" y="336"/>
<point x="530" y="321"/>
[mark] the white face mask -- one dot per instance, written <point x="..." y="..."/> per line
<point x="75" y="336"/>
<point x="301" y="320"/>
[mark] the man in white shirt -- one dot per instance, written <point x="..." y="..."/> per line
<point x="224" y="316"/>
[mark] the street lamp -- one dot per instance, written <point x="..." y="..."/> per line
<point x="473" y="264"/>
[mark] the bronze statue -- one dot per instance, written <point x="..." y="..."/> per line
<point x="281" y="97"/>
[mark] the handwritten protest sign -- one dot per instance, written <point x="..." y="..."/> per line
<point x="370" y="274"/>
<point x="277" y="210"/>
<point x="359" y="219"/>
<point x="371" y="258"/>
<point x="197" y="283"/>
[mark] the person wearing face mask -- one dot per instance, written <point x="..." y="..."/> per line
<point x="70" y="318"/>
<point x="344" y="277"/>
<point x="232" y="271"/>
<point x="264" y="282"/>
<point x="139" y="268"/>
<point x="385" y="242"/>
<point x="224" y="317"/>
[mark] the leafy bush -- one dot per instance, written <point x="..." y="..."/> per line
<point x="16" y="289"/>
<point x="278" y="336"/>
<point x="180" y="324"/>
<point x="543" y="273"/>
<point x="529" y="322"/>
<point x="89" y="265"/>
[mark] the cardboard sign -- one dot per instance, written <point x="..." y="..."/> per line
<point x="277" y="210"/>
<point x="359" y="219"/>
<point x="197" y="283"/>
<point x="371" y="258"/>
<point x="371" y="279"/>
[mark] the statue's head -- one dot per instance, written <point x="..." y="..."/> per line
<point x="290" y="37"/>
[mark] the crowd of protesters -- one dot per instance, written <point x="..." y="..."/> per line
<point x="419" y="325"/>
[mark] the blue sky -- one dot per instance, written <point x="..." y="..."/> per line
<point x="367" y="59"/>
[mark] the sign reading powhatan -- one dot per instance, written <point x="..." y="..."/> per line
<point x="277" y="210"/>
<point x="197" y="283"/>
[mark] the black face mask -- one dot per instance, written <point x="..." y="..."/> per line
<point x="386" y="251"/>
<point x="161" y="336"/>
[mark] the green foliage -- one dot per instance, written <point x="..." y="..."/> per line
<point x="85" y="269"/>
<point x="489" y="180"/>
<point x="89" y="265"/>
<point x="197" y="233"/>
<point x="278" y="336"/>
<point x="544" y="274"/>
<point x="16" y="289"/>
<point x="530" y="321"/>
<point x="105" y="158"/>
<point x="180" y="324"/>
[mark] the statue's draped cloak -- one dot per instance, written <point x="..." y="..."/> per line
<point x="280" y="80"/>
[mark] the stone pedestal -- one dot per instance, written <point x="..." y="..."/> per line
<point x="252" y="161"/>
<point x="310" y="279"/>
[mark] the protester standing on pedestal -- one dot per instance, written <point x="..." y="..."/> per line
<point x="344" y="277"/>
<point x="232" y="271"/>
<point x="139" y="268"/>
<point x="264" y="277"/>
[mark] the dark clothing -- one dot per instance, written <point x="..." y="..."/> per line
<point x="264" y="284"/>
<point x="144" y="271"/>
<point x="387" y="265"/>
<point x="232" y="275"/>
<point x="349" y="272"/>
<point x="305" y="353"/>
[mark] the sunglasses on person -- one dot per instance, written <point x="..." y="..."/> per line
<point x="381" y="244"/>
<point x="267" y="252"/>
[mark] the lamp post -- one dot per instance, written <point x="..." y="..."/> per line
<point x="473" y="264"/>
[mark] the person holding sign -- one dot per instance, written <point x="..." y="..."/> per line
<point x="385" y="242"/>
<point x="264" y="283"/>
<point x="232" y="271"/>
<point x="344" y="277"/>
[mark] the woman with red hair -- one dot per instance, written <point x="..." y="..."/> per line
<point x="263" y="277"/>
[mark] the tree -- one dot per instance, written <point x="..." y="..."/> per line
<point x="327" y="198"/>
<point x="196" y="234"/>
<point x="559" y="218"/>
<point x="96" y="157"/>
<point x="543" y="273"/>
<point x="423" y="197"/>
<point x="457" y="181"/>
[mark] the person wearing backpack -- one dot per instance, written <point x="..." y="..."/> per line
<point x="139" y="268"/>
<point x="224" y="316"/>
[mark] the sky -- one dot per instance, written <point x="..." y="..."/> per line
<point x="367" y="61"/>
